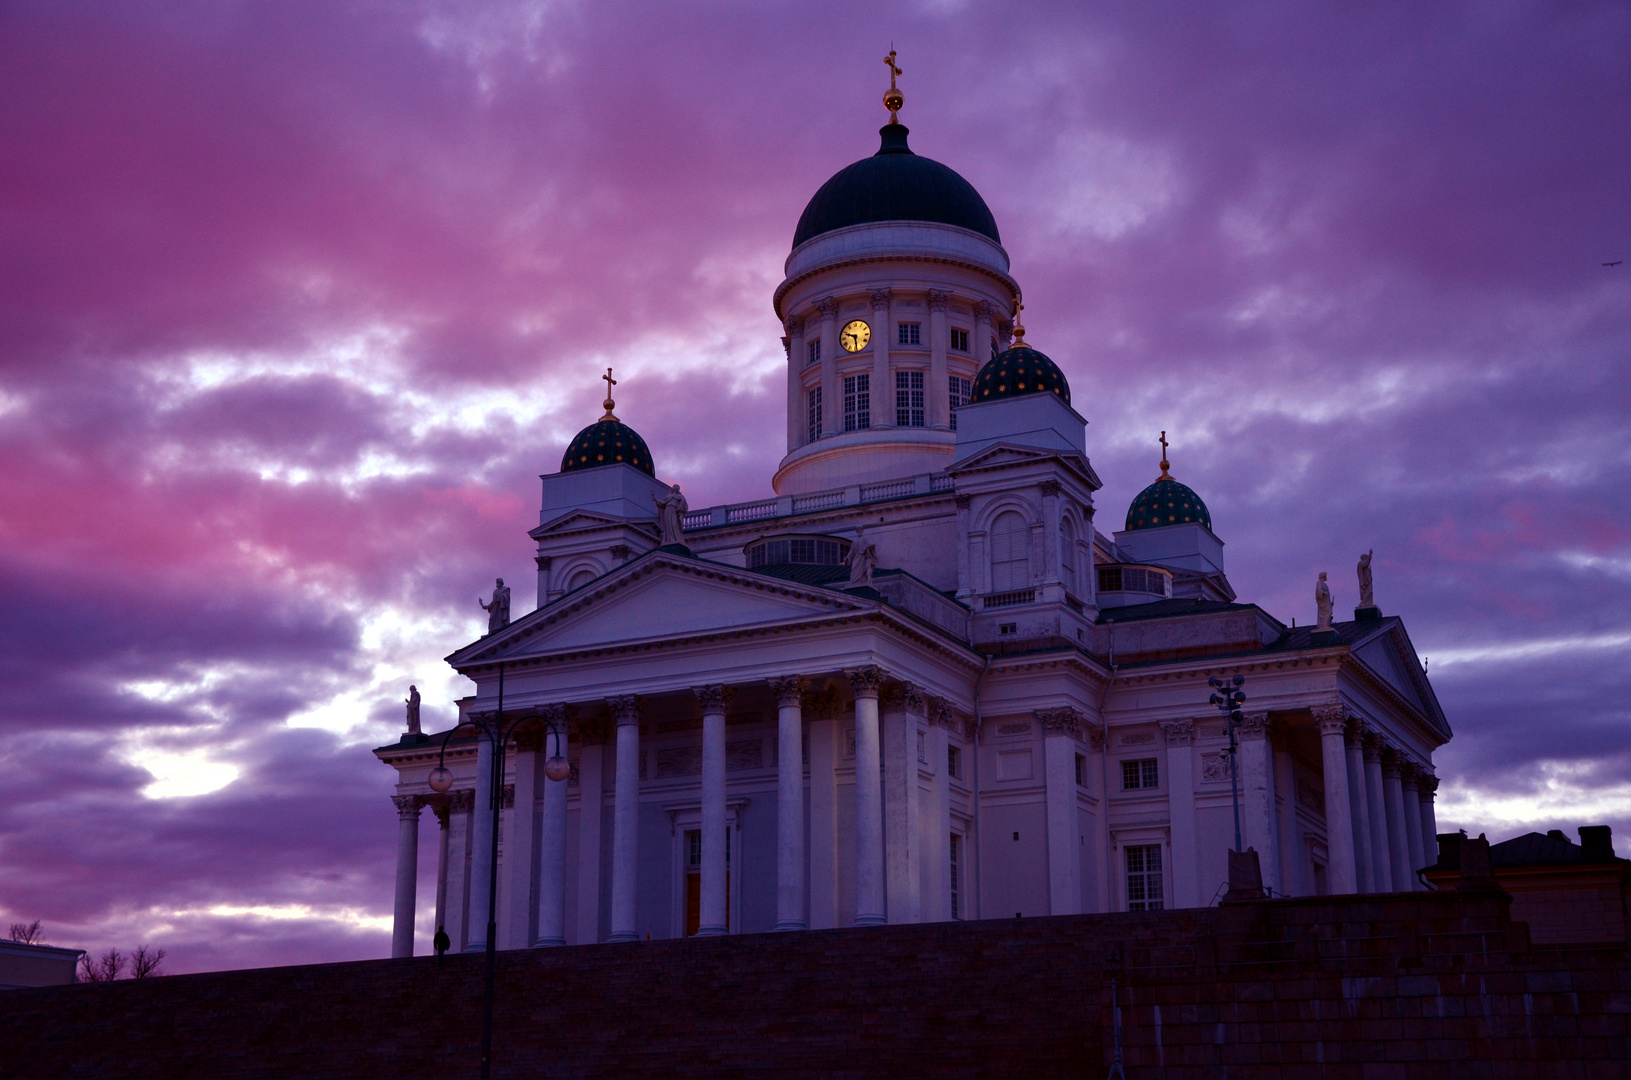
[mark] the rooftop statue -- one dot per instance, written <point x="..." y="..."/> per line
<point x="1322" y="601"/>
<point x="671" y="510"/>
<point x="863" y="559"/>
<point x="413" y="709"/>
<point x="498" y="610"/>
<point x="1366" y="597"/>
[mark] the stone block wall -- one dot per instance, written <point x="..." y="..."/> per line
<point x="1413" y="985"/>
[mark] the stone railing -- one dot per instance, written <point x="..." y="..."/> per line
<point x="715" y="517"/>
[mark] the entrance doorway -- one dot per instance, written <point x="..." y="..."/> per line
<point x="693" y="881"/>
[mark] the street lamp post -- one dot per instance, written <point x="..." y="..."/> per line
<point x="556" y="768"/>
<point x="1228" y="697"/>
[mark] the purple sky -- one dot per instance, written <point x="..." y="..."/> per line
<point x="296" y="301"/>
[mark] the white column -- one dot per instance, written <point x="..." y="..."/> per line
<point x="937" y="852"/>
<point x="517" y="910"/>
<point x="711" y="906"/>
<point x="1354" y="740"/>
<point x="1376" y="800"/>
<point x="796" y="358"/>
<point x="883" y="336"/>
<point x="1180" y="736"/>
<point x="824" y="842"/>
<point x="869" y="868"/>
<point x="938" y="398"/>
<point x="461" y="807"/>
<point x="439" y="808"/>
<point x="1257" y="797"/>
<point x="790" y="862"/>
<point x="591" y="807"/>
<point x="1098" y="741"/>
<point x="1060" y="730"/>
<point x="1292" y="876"/>
<point x="407" y="873"/>
<point x="1398" y="844"/>
<point x="1412" y="824"/>
<point x="625" y="819"/>
<point x="481" y="848"/>
<point x="1426" y="787"/>
<point x="965" y="577"/>
<point x="984" y="330"/>
<point x="832" y="407"/>
<point x="1051" y="555"/>
<point x="552" y="844"/>
<point x="1339" y="830"/>
<point x="902" y="812"/>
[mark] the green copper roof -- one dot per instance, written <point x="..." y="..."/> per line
<point x="608" y="442"/>
<point x="1166" y="502"/>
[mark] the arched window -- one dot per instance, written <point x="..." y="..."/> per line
<point x="1067" y="555"/>
<point x="580" y="579"/>
<point x="1010" y="552"/>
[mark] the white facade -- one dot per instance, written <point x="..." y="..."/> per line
<point x="978" y="733"/>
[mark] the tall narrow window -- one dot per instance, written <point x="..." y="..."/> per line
<point x="954" y="763"/>
<point x="815" y="352"/>
<point x="1144" y="878"/>
<point x="857" y="402"/>
<point x="1067" y="554"/>
<point x="812" y="414"/>
<point x="959" y="340"/>
<point x="956" y="876"/>
<point x="958" y="388"/>
<point x="910" y="333"/>
<point x="908" y="399"/>
<point x="1010" y="552"/>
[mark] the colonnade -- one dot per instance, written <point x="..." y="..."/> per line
<point x="871" y="875"/>
<point x="1379" y="820"/>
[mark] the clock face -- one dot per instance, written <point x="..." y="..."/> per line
<point x="855" y="335"/>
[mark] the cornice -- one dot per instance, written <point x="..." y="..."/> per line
<point x="791" y="283"/>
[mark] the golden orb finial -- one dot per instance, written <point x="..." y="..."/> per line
<point x="1165" y="464"/>
<point x="608" y="403"/>
<point x="1019" y="327"/>
<point x="893" y="99"/>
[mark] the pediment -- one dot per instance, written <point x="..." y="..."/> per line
<point x="1391" y="657"/>
<point x="1004" y="455"/>
<point x="658" y="598"/>
<point x="577" y="521"/>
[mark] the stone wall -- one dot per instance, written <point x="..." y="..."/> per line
<point x="1401" y="986"/>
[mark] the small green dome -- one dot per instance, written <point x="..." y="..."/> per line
<point x="607" y="442"/>
<point x="1018" y="371"/>
<point x="1166" y="502"/>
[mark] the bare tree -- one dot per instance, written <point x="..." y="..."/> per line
<point x="26" y="933"/>
<point x="145" y="961"/>
<point x="105" y="968"/>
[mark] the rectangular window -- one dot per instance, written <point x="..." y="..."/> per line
<point x="1109" y="579"/>
<point x="1081" y="771"/>
<point x="956" y="876"/>
<point x="812" y="414"/>
<point x="958" y="392"/>
<point x="959" y="340"/>
<point x="1141" y="774"/>
<point x="910" y="333"/>
<point x="1144" y="878"/>
<point x="815" y="352"/>
<point x="954" y="763"/>
<point x="857" y="402"/>
<point x="908" y="399"/>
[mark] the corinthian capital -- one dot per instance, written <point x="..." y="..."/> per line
<point x="713" y="698"/>
<point x="865" y="682"/>
<point x="1254" y="725"/>
<point x="794" y="327"/>
<point x="827" y="306"/>
<point x="625" y="710"/>
<point x="937" y="299"/>
<point x="982" y="311"/>
<point x="1332" y="719"/>
<point x="788" y="690"/>
<point x="461" y="802"/>
<point x="1178" y="732"/>
<point x="1427" y="784"/>
<point x="1065" y="721"/>
<point x="407" y="806"/>
<point x="880" y="297"/>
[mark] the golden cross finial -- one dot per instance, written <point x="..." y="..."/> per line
<point x="1165" y="464"/>
<point x="1019" y="327"/>
<point x="610" y="382"/>
<point x="893" y="99"/>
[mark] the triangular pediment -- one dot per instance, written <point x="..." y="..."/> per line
<point x="577" y="521"/>
<point x="1006" y="455"/>
<point x="1391" y="657"/>
<point x="660" y="597"/>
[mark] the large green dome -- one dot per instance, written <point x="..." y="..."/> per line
<point x="1018" y="371"/>
<point x="607" y="441"/>
<point x="1167" y="502"/>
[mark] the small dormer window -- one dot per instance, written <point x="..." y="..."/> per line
<point x="959" y="340"/>
<point x="815" y="352"/>
<point x="910" y="333"/>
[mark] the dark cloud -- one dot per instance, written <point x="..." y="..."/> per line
<point x="299" y="300"/>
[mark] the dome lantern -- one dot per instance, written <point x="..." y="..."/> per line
<point x="1019" y="370"/>
<point x="608" y="441"/>
<point x="1167" y="502"/>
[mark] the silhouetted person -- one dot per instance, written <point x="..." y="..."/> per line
<point x="441" y="942"/>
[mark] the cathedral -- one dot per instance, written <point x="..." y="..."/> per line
<point x="923" y="680"/>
